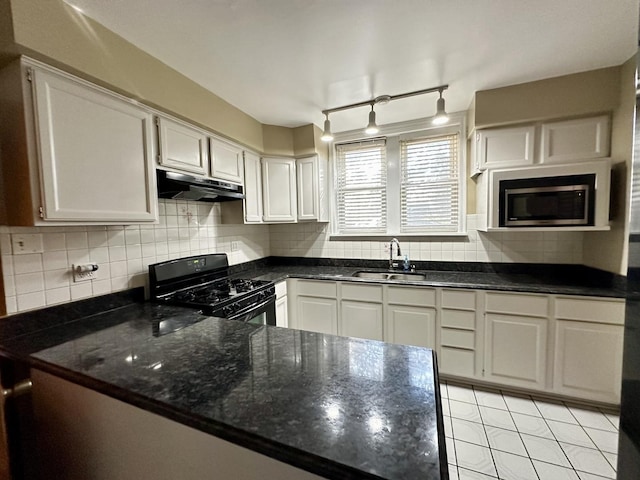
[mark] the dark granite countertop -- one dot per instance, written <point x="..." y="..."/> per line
<point x="552" y="279"/>
<point x="336" y="406"/>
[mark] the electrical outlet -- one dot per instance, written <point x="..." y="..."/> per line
<point x="234" y="246"/>
<point x="84" y="273"/>
<point x="23" y="243"/>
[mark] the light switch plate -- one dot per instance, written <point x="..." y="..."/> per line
<point x="23" y="243"/>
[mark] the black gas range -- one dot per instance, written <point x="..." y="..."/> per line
<point x="204" y="282"/>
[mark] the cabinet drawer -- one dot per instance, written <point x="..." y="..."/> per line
<point x="461" y="299"/>
<point x="364" y="293"/>
<point x="457" y="338"/>
<point x="517" y="304"/>
<point x="313" y="288"/>
<point x="459" y="319"/>
<point x="411" y="296"/>
<point x="456" y="361"/>
<point x="591" y="310"/>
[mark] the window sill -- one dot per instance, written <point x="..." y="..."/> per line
<point x="405" y="237"/>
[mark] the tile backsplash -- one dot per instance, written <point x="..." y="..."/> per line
<point x="123" y="253"/>
<point x="313" y="240"/>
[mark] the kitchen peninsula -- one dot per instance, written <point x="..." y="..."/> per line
<point x="333" y="406"/>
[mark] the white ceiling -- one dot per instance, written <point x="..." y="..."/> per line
<point x="283" y="61"/>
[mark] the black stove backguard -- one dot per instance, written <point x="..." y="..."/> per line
<point x="174" y="275"/>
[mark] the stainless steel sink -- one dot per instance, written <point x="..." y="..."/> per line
<point x="389" y="275"/>
<point x="407" y="276"/>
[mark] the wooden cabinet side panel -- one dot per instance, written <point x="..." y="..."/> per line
<point x="105" y="439"/>
<point x="20" y="191"/>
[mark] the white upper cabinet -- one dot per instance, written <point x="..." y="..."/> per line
<point x="279" y="189"/>
<point x="563" y="142"/>
<point x="312" y="189"/>
<point x="226" y="161"/>
<point x="73" y="153"/>
<point x="182" y="146"/>
<point x="252" y="188"/>
<point x="575" y="140"/>
<point x="504" y="147"/>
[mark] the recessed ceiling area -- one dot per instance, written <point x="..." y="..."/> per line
<point x="284" y="61"/>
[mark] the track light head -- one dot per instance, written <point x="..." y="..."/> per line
<point x="326" y="134"/>
<point x="441" y="116"/>
<point x="372" y="128"/>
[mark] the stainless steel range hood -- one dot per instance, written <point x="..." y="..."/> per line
<point x="181" y="186"/>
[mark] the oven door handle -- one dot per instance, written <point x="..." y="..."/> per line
<point x="244" y="311"/>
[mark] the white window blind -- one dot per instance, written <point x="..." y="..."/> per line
<point x="361" y="187"/>
<point x="429" y="188"/>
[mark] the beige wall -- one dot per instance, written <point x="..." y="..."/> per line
<point x="579" y="94"/>
<point x="609" y="250"/>
<point x="304" y="142"/>
<point x="277" y="140"/>
<point x="56" y="33"/>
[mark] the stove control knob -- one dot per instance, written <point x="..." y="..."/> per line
<point x="227" y="311"/>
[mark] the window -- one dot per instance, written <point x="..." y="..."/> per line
<point x="407" y="184"/>
<point x="362" y="180"/>
<point x="429" y="184"/>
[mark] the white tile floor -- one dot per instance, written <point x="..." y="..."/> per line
<point x="493" y="434"/>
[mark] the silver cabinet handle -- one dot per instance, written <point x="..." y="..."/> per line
<point x="18" y="389"/>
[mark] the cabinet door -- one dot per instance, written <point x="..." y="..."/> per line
<point x="411" y="325"/>
<point x="588" y="360"/>
<point x="307" y="171"/>
<point x="317" y="314"/>
<point x="282" y="312"/>
<point x="252" y="188"/>
<point x="505" y="147"/>
<point x="279" y="189"/>
<point x="182" y="147"/>
<point x="361" y="319"/>
<point x="226" y="161"/>
<point x="516" y="350"/>
<point x="575" y="140"/>
<point x="95" y="153"/>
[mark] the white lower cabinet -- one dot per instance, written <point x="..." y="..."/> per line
<point x="460" y="334"/>
<point x="588" y="348"/>
<point x="411" y="316"/>
<point x="360" y="311"/>
<point x="555" y="344"/>
<point x="588" y="360"/>
<point x="411" y="325"/>
<point x="315" y="306"/>
<point x="317" y="314"/>
<point x="282" y="307"/>
<point x="361" y="319"/>
<point x="516" y="350"/>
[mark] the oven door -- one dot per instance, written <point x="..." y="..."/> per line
<point x="263" y="313"/>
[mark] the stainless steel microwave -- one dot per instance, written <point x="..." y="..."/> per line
<point x="548" y="201"/>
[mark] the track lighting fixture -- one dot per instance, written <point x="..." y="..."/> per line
<point x="440" y="117"/>
<point x="372" y="128"/>
<point x="326" y="134"/>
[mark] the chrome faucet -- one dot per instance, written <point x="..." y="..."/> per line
<point x="393" y="264"/>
